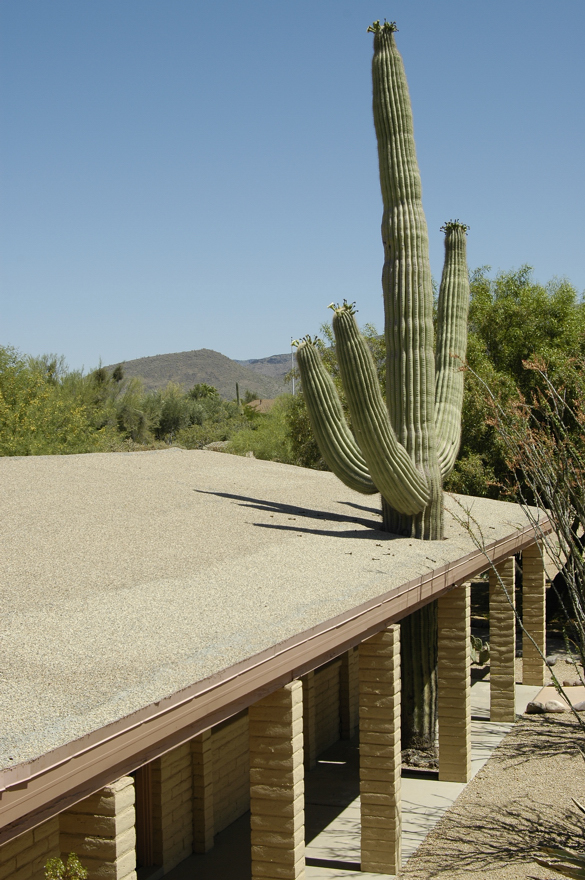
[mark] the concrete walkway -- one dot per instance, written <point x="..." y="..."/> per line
<point x="332" y="808"/>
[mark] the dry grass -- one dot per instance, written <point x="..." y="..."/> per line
<point x="519" y="801"/>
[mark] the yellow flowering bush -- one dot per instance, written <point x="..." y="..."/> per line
<point x="36" y="418"/>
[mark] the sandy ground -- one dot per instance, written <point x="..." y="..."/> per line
<point x="520" y="801"/>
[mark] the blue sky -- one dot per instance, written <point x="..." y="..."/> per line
<point x="187" y="174"/>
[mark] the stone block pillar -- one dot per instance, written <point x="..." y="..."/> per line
<point x="309" y="721"/>
<point x="502" y="643"/>
<point x="349" y="693"/>
<point x="454" y="680"/>
<point x="277" y="798"/>
<point x="203" y="820"/>
<point x="533" y="615"/>
<point x="172" y="807"/>
<point x="101" y="831"/>
<point x="380" y="752"/>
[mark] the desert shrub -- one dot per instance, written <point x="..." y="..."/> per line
<point x="38" y="418"/>
<point x="211" y="419"/>
<point x="304" y="449"/>
<point x="72" y="869"/>
<point x="198" y="436"/>
<point x="266" y="434"/>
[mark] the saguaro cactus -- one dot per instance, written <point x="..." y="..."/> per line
<point x="405" y="446"/>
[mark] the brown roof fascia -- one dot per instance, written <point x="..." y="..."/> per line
<point x="32" y="792"/>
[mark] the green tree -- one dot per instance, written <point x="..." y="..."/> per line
<point x="512" y="319"/>
<point x="202" y="391"/>
<point x="118" y="373"/>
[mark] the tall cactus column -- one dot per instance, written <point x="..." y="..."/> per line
<point x="502" y="642"/>
<point x="406" y="283"/>
<point x="406" y="444"/>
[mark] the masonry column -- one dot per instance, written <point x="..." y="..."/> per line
<point x="454" y="680"/>
<point x="380" y="752"/>
<point x="172" y="807"/>
<point x="277" y="798"/>
<point x="533" y="615"/>
<point x="203" y="820"/>
<point x="349" y="693"/>
<point x="101" y="831"/>
<point x="502" y="642"/>
<point x="309" y="721"/>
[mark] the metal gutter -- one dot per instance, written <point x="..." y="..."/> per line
<point x="33" y="792"/>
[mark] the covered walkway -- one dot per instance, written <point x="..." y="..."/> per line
<point x="210" y="625"/>
<point x="332" y="814"/>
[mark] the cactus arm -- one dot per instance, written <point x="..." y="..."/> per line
<point x="406" y="278"/>
<point x="335" y="440"/>
<point x="451" y="345"/>
<point x="390" y="465"/>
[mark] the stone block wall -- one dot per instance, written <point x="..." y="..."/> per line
<point x="349" y="693"/>
<point x="24" y="857"/>
<point x="172" y="807"/>
<point x="327" y="706"/>
<point x="203" y="812"/>
<point x="101" y="831"/>
<point x="231" y="770"/>
<point x="309" y="708"/>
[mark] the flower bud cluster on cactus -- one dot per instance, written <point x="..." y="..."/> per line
<point x="404" y="446"/>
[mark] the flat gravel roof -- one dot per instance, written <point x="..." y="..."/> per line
<point x="126" y="577"/>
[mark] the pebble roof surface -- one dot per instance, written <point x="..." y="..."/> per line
<point x="127" y="577"/>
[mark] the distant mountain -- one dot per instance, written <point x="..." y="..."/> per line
<point x="276" y="366"/>
<point x="189" y="368"/>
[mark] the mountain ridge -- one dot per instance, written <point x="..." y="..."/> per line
<point x="263" y="376"/>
